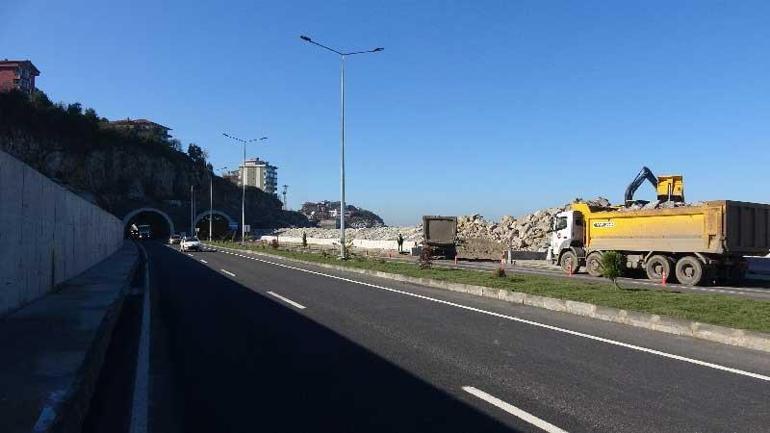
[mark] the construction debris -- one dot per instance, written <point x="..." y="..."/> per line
<point x="479" y="238"/>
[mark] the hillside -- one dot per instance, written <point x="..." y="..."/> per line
<point x="356" y="217"/>
<point x="121" y="170"/>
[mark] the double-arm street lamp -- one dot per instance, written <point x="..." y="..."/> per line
<point x="343" y="55"/>
<point x="243" y="181"/>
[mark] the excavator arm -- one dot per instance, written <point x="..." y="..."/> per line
<point x="644" y="174"/>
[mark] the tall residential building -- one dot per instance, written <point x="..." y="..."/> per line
<point x="18" y="74"/>
<point x="261" y="174"/>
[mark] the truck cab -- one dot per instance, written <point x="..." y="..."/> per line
<point x="567" y="240"/>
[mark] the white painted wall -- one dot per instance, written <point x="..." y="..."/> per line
<point x="47" y="234"/>
<point x="358" y="243"/>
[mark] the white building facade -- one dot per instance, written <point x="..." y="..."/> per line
<point x="260" y="174"/>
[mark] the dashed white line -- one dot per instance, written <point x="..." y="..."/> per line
<point x="227" y="272"/>
<point x="513" y="410"/>
<point x="190" y="255"/>
<point x="525" y="321"/>
<point x="287" y="300"/>
<point x="203" y="261"/>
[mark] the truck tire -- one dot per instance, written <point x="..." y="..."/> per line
<point x="689" y="271"/>
<point x="594" y="264"/>
<point x="657" y="265"/>
<point x="569" y="262"/>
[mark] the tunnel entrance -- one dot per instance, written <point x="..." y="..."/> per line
<point x="159" y="225"/>
<point x="220" y="226"/>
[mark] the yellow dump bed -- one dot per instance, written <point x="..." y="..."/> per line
<point x="716" y="227"/>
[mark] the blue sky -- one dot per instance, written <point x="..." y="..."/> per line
<point x="495" y="107"/>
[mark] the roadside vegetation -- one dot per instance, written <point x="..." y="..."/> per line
<point x="721" y="310"/>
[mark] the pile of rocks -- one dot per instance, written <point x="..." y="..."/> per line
<point x="528" y="232"/>
<point x="656" y="204"/>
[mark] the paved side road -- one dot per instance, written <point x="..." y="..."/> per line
<point x="265" y="345"/>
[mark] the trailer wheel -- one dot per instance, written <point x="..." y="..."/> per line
<point x="689" y="270"/>
<point x="657" y="266"/>
<point x="569" y="262"/>
<point x="594" y="264"/>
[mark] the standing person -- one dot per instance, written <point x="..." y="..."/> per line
<point x="400" y="242"/>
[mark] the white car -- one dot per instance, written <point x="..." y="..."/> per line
<point x="191" y="243"/>
<point x="174" y="239"/>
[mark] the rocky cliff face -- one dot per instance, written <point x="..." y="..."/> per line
<point x="120" y="172"/>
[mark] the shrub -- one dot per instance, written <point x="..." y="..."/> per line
<point x="274" y="243"/>
<point x="612" y="266"/>
<point x="304" y="240"/>
<point x="500" y="272"/>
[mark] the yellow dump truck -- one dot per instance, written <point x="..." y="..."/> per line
<point x="688" y="244"/>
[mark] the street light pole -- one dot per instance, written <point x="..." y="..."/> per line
<point x="343" y="55"/>
<point x="243" y="182"/>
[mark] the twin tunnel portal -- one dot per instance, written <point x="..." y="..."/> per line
<point x="162" y="225"/>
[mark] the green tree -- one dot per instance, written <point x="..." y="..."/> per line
<point x="197" y="154"/>
<point x="75" y="108"/>
<point x="612" y="266"/>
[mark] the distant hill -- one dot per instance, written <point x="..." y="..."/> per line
<point x="120" y="169"/>
<point x="326" y="210"/>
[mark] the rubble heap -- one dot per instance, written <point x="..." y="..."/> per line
<point x="529" y="232"/>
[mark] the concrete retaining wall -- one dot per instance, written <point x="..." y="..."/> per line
<point x="47" y="234"/>
<point x="358" y="243"/>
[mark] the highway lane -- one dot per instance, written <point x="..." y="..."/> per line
<point x="457" y="355"/>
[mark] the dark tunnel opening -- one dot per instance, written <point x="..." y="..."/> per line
<point x="158" y="225"/>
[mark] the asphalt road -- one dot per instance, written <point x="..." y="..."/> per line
<point x="258" y="344"/>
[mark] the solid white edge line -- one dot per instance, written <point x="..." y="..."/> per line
<point x="287" y="300"/>
<point x="203" y="261"/>
<point x="528" y="322"/>
<point x="227" y="272"/>
<point x="141" y="398"/>
<point x="513" y="410"/>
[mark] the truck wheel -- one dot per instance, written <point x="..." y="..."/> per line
<point x="594" y="264"/>
<point x="689" y="270"/>
<point x="657" y="265"/>
<point x="569" y="262"/>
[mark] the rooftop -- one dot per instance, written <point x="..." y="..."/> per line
<point x="6" y="62"/>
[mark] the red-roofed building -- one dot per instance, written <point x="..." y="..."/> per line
<point x="17" y="74"/>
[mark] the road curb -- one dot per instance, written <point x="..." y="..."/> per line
<point x="669" y="325"/>
<point x="74" y="407"/>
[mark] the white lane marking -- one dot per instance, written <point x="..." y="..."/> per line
<point x="141" y="399"/>
<point x="190" y="255"/>
<point x="227" y="272"/>
<point x="528" y="322"/>
<point x="287" y="300"/>
<point x="203" y="261"/>
<point x="513" y="410"/>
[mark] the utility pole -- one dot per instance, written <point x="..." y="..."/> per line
<point x="285" y="204"/>
<point x="192" y="211"/>
<point x="211" y="200"/>
<point x="243" y="181"/>
<point x="343" y="55"/>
